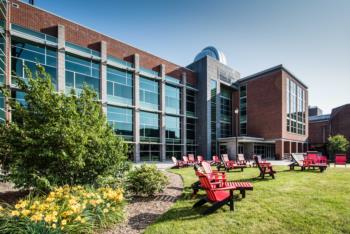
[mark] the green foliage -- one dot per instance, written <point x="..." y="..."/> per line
<point x="58" y="139"/>
<point x="146" y="180"/>
<point x="338" y="144"/>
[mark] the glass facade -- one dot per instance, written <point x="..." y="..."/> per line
<point x="243" y="110"/>
<point x="213" y="88"/>
<point x="266" y="151"/>
<point x="149" y="152"/>
<point x="173" y="150"/>
<point x="121" y="119"/>
<point x="149" y="93"/>
<point x="119" y="86"/>
<point x="296" y="108"/>
<point x="190" y="103"/>
<point x="172" y="129"/>
<point x="2" y="108"/>
<point x="2" y="49"/>
<point x="172" y="99"/>
<point x="81" y="71"/>
<point x="149" y="127"/>
<point x="226" y="112"/>
<point x="26" y="53"/>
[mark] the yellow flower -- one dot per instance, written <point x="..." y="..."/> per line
<point x="53" y="226"/>
<point x="105" y="210"/>
<point x="25" y="212"/>
<point x="78" y="219"/>
<point x="1" y="208"/>
<point x="14" y="213"/>
<point x="36" y="217"/>
<point x="63" y="222"/>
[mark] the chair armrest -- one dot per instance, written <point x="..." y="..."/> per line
<point x="225" y="188"/>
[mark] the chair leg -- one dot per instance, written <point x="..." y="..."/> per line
<point x="215" y="206"/>
<point x="243" y="193"/>
<point x="232" y="205"/>
<point x="272" y="175"/>
<point x="199" y="203"/>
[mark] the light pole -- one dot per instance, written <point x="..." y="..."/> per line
<point x="236" y="128"/>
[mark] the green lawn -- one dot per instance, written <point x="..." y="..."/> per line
<point x="295" y="202"/>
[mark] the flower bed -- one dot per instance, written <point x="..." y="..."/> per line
<point x="65" y="209"/>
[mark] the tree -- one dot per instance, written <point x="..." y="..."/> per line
<point x="338" y="144"/>
<point x="58" y="139"/>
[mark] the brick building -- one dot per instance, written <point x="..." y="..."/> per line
<point x="161" y="109"/>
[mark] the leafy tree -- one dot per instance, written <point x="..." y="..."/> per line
<point x="338" y="144"/>
<point x="58" y="139"/>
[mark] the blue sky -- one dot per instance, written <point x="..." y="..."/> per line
<point x="311" y="38"/>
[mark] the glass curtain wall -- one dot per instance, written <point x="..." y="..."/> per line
<point x="172" y="100"/>
<point x="226" y="112"/>
<point x="213" y="87"/>
<point x="121" y="120"/>
<point x="173" y="136"/>
<point x="149" y="152"/>
<point x="149" y="127"/>
<point x="119" y="86"/>
<point x="243" y="110"/>
<point x="149" y="93"/>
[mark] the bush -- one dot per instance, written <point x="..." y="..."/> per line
<point x="338" y="144"/>
<point x="57" y="139"/>
<point x="146" y="180"/>
<point x="65" y="209"/>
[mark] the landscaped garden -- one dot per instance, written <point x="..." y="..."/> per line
<point x="295" y="202"/>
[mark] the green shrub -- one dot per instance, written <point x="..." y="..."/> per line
<point x="146" y="180"/>
<point x="58" y="139"/>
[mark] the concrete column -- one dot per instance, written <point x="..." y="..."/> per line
<point x="296" y="147"/>
<point x="61" y="59"/>
<point x="103" y="76"/>
<point x="183" y="112"/>
<point x="290" y="147"/>
<point x="7" y="61"/>
<point x="162" y="115"/>
<point x="136" y="126"/>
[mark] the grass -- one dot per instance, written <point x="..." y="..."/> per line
<point x="295" y="202"/>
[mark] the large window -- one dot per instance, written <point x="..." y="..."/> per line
<point x="119" y="86"/>
<point x="267" y="151"/>
<point x="213" y="88"/>
<point x="172" y="99"/>
<point x="28" y="54"/>
<point x="172" y="129"/>
<point x="2" y="54"/>
<point x="2" y="108"/>
<point x="191" y="135"/>
<point x="81" y="71"/>
<point x="149" y="152"/>
<point x="121" y="119"/>
<point x="149" y="93"/>
<point x="296" y="110"/>
<point x="173" y="150"/>
<point x="226" y="112"/>
<point x="149" y="127"/>
<point x="190" y="103"/>
<point x="243" y="110"/>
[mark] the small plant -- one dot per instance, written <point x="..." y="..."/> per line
<point x="146" y="180"/>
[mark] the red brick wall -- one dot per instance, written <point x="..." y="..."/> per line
<point x="318" y="132"/>
<point x="340" y="121"/>
<point x="264" y="106"/>
<point x="42" y="21"/>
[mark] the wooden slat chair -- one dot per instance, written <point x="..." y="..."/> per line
<point x="218" y="196"/>
<point x="313" y="161"/>
<point x="298" y="161"/>
<point x="191" y="158"/>
<point x="216" y="160"/>
<point x="259" y="159"/>
<point x="200" y="159"/>
<point x="220" y="177"/>
<point x="186" y="161"/>
<point x="178" y="163"/>
<point x="265" y="168"/>
<point x="241" y="160"/>
<point x="229" y="164"/>
<point x="340" y="159"/>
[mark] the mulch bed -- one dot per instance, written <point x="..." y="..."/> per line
<point x="141" y="212"/>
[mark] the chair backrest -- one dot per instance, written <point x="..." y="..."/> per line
<point x="185" y="158"/>
<point x="240" y="157"/>
<point x="216" y="158"/>
<point x="207" y="168"/>
<point x="191" y="157"/>
<point x="225" y="158"/>
<point x="200" y="158"/>
<point x="340" y="159"/>
<point x="174" y="160"/>
<point x="205" y="184"/>
<point x="298" y="158"/>
<point x="313" y="157"/>
<point x="258" y="157"/>
<point x="257" y="161"/>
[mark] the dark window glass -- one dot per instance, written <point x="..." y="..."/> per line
<point x="149" y="126"/>
<point x="121" y="119"/>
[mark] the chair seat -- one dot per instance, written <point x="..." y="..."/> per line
<point x="220" y="196"/>
<point x="240" y="185"/>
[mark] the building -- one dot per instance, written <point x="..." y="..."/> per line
<point x="161" y="109"/>
<point x="314" y="111"/>
<point x="323" y="126"/>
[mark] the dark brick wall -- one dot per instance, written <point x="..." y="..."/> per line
<point x="42" y="21"/>
<point x="318" y="132"/>
<point x="340" y="121"/>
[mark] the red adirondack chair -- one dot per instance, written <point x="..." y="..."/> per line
<point x="178" y="163"/>
<point x="218" y="196"/>
<point x="186" y="161"/>
<point x="230" y="164"/>
<point x="220" y="177"/>
<point x="216" y="160"/>
<point x="241" y="160"/>
<point x="340" y="159"/>
<point x="200" y="159"/>
<point x="315" y="161"/>
<point x="191" y="158"/>
<point x="265" y="168"/>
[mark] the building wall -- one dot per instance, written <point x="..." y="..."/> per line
<point x="340" y="121"/>
<point x="318" y="132"/>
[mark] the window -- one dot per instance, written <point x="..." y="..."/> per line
<point x="81" y="71"/>
<point x="149" y="127"/>
<point x="191" y="135"/>
<point x="149" y="152"/>
<point x="190" y="103"/>
<point x="121" y="119"/>
<point x="2" y="57"/>
<point x="172" y="129"/>
<point x="296" y="110"/>
<point x="172" y="99"/>
<point x="149" y="93"/>
<point x="173" y="150"/>
<point x="25" y="53"/>
<point x="243" y="109"/>
<point x="2" y="108"/>
<point x="226" y="112"/>
<point x="119" y="86"/>
<point x="267" y="151"/>
<point x="213" y="88"/>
